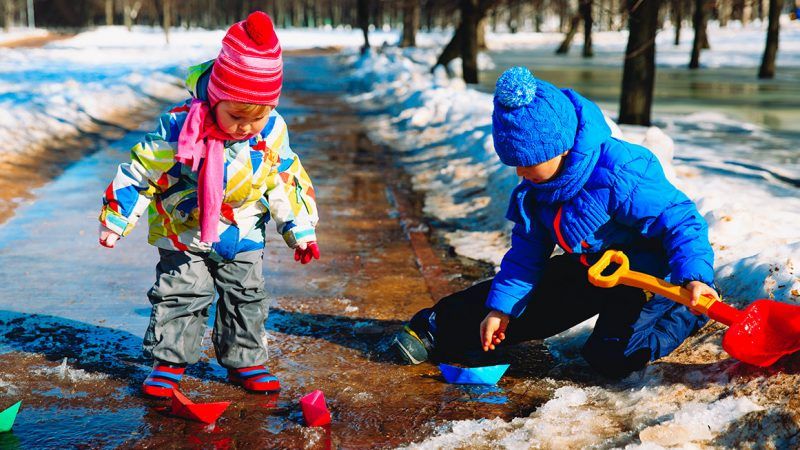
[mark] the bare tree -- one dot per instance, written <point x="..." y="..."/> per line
<point x="109" y="12"/>
<point x="676" y="17"/>
<point x="8" y="14"/>
<point x="469" y="40"/>
<point x="453" y="48"/>
<point x="639" y="73"/>
<point x="411" y="18"/>
<point x="767" y="69"/>
<point x="363" y="22"/>
<point x="166" y="16"/>
<point x="563" y="49"/>
<point x="699" y="20"/>
<point x="585" y="7"/>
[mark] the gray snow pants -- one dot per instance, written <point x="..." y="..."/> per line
<point x="182" y="295"/>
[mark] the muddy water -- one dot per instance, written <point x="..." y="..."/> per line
<point x="63" y="297"/>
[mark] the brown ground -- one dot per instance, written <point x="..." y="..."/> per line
<point x="35" y="41"/>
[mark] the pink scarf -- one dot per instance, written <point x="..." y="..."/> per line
<point x="202" y="140"/>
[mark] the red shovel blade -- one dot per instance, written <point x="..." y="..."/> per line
<point x="315" y="411"/>
<point x="766" y="331"/>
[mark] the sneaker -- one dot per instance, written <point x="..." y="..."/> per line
<point x="163" y="379"/>
<point x="409" y="346"/>
<point x="254" y="379"/>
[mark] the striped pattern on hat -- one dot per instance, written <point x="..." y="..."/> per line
<point x="249" y="69"/>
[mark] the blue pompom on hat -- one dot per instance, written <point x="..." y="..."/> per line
<point x="533" y="121"/>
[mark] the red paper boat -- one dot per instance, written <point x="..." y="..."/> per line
<point x="315" y="412"/>
<point x="202" y="412"/>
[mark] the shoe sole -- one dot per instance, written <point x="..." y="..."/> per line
<point x="157" y="393"/>
<point x="405" y="352"/>
<point x="258" y="391"/>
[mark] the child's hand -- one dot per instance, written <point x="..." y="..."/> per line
<point x="699" y="289"/>
<point x="305" y="251"/>
<point x="108" y="238"/>
<point x="493" y="329"/>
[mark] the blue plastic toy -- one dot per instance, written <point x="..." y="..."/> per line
<point x="488" y="375"/>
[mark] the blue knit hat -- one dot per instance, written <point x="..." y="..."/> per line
<point x="533" y="121"/>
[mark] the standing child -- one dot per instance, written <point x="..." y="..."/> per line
<point x="210" y="176"/>
<point x="585" y="192"/>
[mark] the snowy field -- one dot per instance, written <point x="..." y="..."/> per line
<point x="441" y="131"/>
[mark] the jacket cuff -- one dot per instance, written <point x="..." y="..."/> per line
<point x="694" y="270"/>
<point x="298" y="235"/>
<point x="115" y="222"/>
<point x="506" y="304"/>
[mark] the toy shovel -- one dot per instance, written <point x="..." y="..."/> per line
<point x="315" y="411"/>
<point x="8" y="416"/>
<point x="202" y="412"/>
<point x="760" y="334"/>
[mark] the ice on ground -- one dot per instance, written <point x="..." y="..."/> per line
<point x="65" y="372"/>
<point x="588" y="417"/>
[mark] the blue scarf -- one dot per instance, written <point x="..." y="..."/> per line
<point x="574" y="174"/>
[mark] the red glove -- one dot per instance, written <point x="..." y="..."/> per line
<point x="304" y="252"/>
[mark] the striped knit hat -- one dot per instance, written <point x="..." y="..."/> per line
<point x="249" y="69"/>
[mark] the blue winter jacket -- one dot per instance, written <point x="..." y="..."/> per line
<point x="626" y="204"/>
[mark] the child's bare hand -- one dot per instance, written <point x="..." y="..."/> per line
<point x="699" y="289"/>
<point x="305" y="251"/>
<point x="108" y="238"/>
<point x="493" y="329"/>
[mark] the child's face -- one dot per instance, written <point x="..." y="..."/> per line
<point x="544" y="172"/>
<point x="240" y="121"/>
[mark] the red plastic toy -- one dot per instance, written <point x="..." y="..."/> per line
<point x="202" y="412"/>
<point x="759" y="335"/>
<point x="315" y="411"/>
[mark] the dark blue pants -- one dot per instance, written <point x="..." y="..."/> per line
<point x="629" y="331"/>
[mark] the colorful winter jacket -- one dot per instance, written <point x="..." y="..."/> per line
<point x="626" y="204"/>
<point x="263" y="177"/>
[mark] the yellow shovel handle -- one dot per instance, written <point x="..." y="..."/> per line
<point x="623" y="275"/>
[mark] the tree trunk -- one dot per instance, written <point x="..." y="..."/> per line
<point x="8" y="14"/>
<point x="639" y="73"/>
<point x="109" y="12"/>
<point x="429" y="15"/>
<point x="363" y="22"/>
<point x="453" y="48"/>
<point x="677" y="19"/>
<point x="767" y="69"/>
<point x="483" y="23"/>
<point x="30" y="15"/>
<point x="699" y="20"/>
<point x="723" y="12"/>
<point x="469" y="40"/>
<point x="127" y="13"/>
<point x="586" y="11"/>
<point x="563" y="49"/>
<point x="411" y="15"/>
<point x="747" y="12"/>
<point x="167" y="17"/>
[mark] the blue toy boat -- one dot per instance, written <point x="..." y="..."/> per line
<point x="488" y="375"/>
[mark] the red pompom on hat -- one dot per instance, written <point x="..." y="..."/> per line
<point x="249" y="69"/>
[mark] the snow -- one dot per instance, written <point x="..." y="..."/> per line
<point x="734" y="45"/>
<point x="441" y="132"/>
